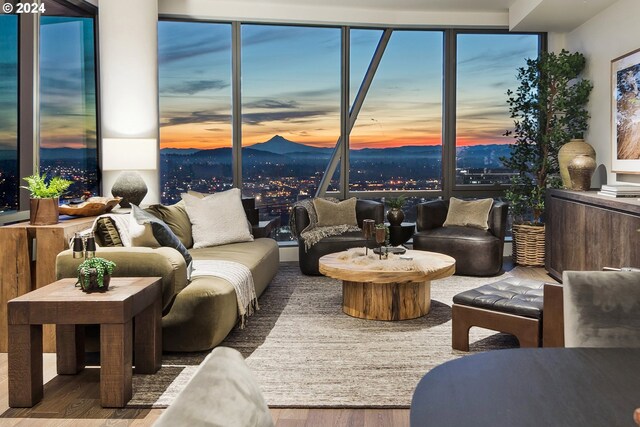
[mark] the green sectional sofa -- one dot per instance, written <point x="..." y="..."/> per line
<point x="199" y="314"/>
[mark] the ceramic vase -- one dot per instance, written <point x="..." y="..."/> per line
<point x="580" y="170"/>
<point x="395" y="216"/>
<point x="568" y="152"/>
<point x="44" y="211"/>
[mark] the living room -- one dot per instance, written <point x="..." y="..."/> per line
<point x="343" y="210"/>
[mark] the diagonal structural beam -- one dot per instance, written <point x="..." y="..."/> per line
<point x="355" y="110"/>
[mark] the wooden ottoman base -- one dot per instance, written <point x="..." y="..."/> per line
<point x="386" y="301"/>
<point x="526" y="329"/>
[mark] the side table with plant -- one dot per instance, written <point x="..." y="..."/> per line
<point x="45" y="198"/>
<point x="549" y="109"/>
<point x="94" y="274"/>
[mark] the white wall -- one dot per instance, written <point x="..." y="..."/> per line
<point x="608" y="35"/>
<point x="129" y="79"/>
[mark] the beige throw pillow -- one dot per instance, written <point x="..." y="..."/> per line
<point x="469" y="213"/>
<point x="341" y="213"/>
<point x="217" y="219"/>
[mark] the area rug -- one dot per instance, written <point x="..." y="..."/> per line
<point x="305" y="352"/>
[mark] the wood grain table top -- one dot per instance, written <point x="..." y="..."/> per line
<point x="63" y="302"/>
<point x="532" y="387"/>
<point x="437" y="266"/>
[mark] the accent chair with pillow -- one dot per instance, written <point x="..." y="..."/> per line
<point x="231" y="269"/>
<point x="472" y="232"/>
<point x="325" y="226"/>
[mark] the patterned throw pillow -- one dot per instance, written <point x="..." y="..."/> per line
<point x="469" y="213"/>
<point x="107" y="233"/>
<point x="161" y="231"/>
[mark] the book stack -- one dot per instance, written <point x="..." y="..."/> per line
<point x="620" y="190"/>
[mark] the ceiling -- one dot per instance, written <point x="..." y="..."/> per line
<point x="416" y="5"/>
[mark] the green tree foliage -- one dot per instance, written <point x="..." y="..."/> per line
<point x="548" y="108"/>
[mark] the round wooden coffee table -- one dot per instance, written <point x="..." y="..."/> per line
<point x="385" y="294"/>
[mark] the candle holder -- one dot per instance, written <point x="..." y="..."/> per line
<point x="381" y="236"/>
<point x="84" y="248"/>
<point x="368" y="227"/>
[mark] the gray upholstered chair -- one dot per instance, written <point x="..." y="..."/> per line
<point x="601" y="308"/>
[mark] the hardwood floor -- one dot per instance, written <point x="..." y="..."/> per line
<point x="74" y="400"/>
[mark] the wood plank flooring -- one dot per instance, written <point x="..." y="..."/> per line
<point x="74" y="400"/>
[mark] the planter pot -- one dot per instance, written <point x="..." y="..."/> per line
<point x="581" y="169"/>
<point x="395" y="216"/>
<point x="90" y="284"/>
<point x="528" y="245"/>
<point x="44" y="211"/>
<point x="567" y="153"/>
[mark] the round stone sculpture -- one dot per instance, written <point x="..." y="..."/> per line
<point x="580" y="170"/>
<point x="131" y="187"/>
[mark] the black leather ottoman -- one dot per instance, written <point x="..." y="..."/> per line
<point x="512" y="305"/>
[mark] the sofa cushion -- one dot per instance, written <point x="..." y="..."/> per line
<point x="161" y="232"/>
<point x="330" y="213"/>
<point x="175" y="216"/>
<point x="217" y="219"/>
<point x="522" y="297"/>
<point x="468" y="213"/>
<point x="107" y="233"/>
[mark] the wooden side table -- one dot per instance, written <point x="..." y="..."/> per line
<point x="400" y="234"/>
<point x="61" y="303"/>
<point x="28" y="261"/>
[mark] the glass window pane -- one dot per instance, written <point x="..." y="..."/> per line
<point x="68" y="102"/>
<point x="291" y="113"/>
<point x="8" y="113"/>
<point x="396" y="143"/>
<point x="363" y="46"/>
<point x="194" y="64"/>
<point x="486" y="68"/>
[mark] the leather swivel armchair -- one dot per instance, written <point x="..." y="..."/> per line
<point x="365" y="209"/>
<point x="477" y="252"/>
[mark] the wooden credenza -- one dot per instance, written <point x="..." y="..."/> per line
<point x="585" y="231"/>
<point x="28" y="261"/>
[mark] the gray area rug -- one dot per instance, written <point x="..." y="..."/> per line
<point x="306" y="353"/>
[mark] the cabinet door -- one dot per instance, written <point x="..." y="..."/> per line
<point x="612" y="239"/>
<point x="566" y="237"/>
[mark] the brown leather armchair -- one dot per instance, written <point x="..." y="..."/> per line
<point x="365" y="209"/>
<point x="477" y="252"/>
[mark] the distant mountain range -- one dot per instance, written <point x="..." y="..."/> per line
<point x="279" y="148"/>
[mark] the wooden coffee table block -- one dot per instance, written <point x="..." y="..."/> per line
<point x="387" y="294"/>
<point x="61" y="303"/>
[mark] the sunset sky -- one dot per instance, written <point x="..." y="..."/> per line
<point x="291" y="85"/>
<point x="8" y="81"/>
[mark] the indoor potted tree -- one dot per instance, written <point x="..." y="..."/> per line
<point x="395" y="215"/>
<point x="94" y="274"/>
<point x="45" y="198"/>
<point x="549" y="109"/>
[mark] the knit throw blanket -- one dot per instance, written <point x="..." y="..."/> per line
<point x="239" y="276"/>
<point x="312" y="234"/>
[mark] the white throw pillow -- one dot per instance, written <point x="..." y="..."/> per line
<point x="141" y="234"/>
<point x="217" y="219"/>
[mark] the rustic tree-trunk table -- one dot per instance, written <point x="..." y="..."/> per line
<point x="129" y="300"/>
<point x="387" y="294"/>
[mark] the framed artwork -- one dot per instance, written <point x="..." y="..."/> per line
<point x="625" y="113"/>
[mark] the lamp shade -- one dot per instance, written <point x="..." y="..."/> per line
<point x="129" y="154"/>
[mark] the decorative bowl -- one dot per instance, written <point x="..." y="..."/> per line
<point x="93" y="206"/>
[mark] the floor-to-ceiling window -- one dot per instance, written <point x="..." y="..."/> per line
<point x="68" y="122"/>
<point x="8" y="113"/>
<point x="194" y="62"/>
<point x="486" y="65"/>
<point x="290" y="112"/>
<point x="425" y="114"/>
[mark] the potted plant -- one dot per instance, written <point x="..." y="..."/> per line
<point x="45" y="198"/>
<point x="94" y="274"/>
<point x="549" y="109"/>
<point x="395" y="215"/>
